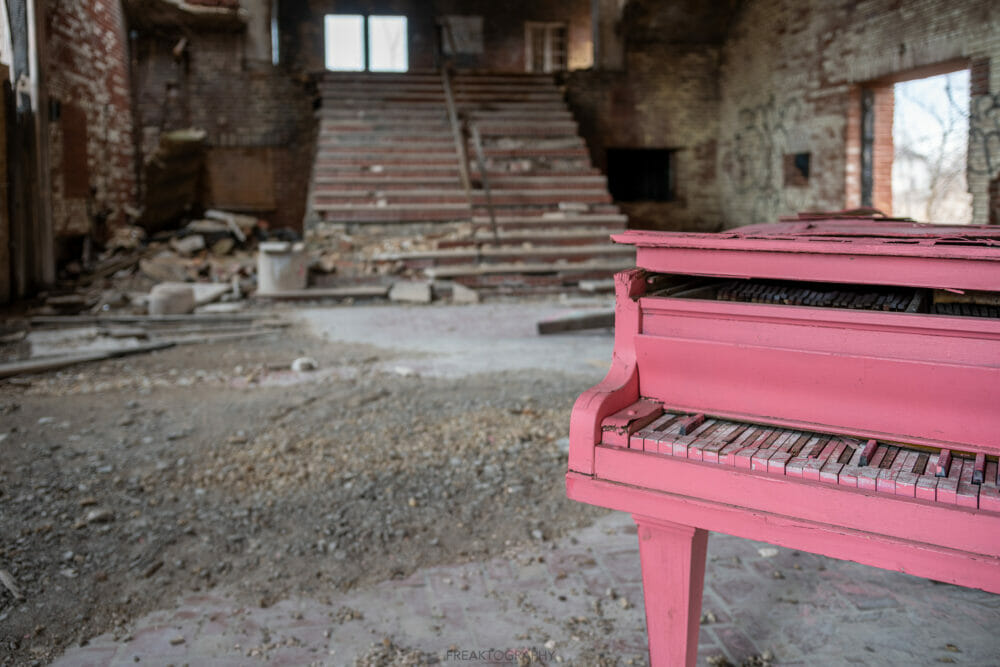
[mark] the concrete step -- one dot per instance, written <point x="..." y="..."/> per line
<point x="382" y="181"/>
<point x="393" y="169"/>
<point x="535" y="237"/>
<point x="333" y="114"/>
<point x="553" y="221"/>
<point x="588" y="268"/>
<point x="387" y="160"/>
<point x="385" y="151"/>
<point x="401" y="133"/>
<point x="452" y="256"/>
<point x="417" y="143"/>
<point x="528" y="209"/>
<point x="402" y="95"/>
<point x="548" y="237"/>
<point x="393" y="214"/>
<point x="471" y="88"/>
<point x="499" y="198"/>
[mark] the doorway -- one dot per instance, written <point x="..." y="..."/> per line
<point x="545" y="47"/>
<point x="930" y="148"/>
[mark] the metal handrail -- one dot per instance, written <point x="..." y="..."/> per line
<point x="460" y="127"/>
<point x="477" y="144"/>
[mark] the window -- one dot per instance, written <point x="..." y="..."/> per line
<point x="930" y="133"/>
<point x="345" y="43"/>
<point x="384" y="50"/>
<point x="641" y="174"/>
<point x="545" y="47"/>
<point x="275" y="35"/>
<point x="387" y="44"/>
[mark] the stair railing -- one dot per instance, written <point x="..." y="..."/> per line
<point x="477" y="144"/>
<point x="460" y="128"/>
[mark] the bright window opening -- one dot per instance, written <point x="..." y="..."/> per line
<point x="345" y="42"/>
<point x="387" y="43"/>
<point x="387" y="46"/>
<point x="930" y="134"/>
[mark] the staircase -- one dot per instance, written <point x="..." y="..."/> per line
<point x="387" y="156"/>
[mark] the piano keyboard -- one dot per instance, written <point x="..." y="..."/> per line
<point x="940" y="476"/>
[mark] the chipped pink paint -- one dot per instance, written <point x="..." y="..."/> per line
<point x="923" y="379"/>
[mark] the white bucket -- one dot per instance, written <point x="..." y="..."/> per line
<point x="281" y="267"/>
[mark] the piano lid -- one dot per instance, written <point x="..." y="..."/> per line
<point x="838" y="249"/>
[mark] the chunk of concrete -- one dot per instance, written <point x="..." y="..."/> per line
<point x="204" y="293"/>
<point x="410" y="292"/>
<point x="462" y="294"/>
<point x="171" y="299"/>
<point x="188" y="245"/>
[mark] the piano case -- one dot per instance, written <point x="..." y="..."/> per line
<point x="826" y="384"/>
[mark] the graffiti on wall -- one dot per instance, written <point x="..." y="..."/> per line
<point x="759" y="145"/>
<point x="984" y="135"/>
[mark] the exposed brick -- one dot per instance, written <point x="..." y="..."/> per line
<point x="255" y="106"/>
<point x="88" y="76"/>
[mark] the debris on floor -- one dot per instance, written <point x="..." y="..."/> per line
<point x="46" y="343"/>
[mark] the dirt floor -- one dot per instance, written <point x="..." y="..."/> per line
<point x="126" y="483"/>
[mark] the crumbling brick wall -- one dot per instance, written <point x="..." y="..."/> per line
<point x="655" y="105"/>
<point x="790" y="82"/>
<point x="90" y="114"/>
<point x="246" y="107"/>
<point x="667" y="96"/>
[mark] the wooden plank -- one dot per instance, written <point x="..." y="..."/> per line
<point x="577" y="322"/>
<point x="31" y="367"/>
<point x="357" y="292"/>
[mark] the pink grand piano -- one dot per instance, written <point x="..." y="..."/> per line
<point x="827" y="384"/>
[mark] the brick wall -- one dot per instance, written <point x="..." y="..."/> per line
<point x="790" y="82"/>
<point x="653" y="104"/>
<point x="241" y="103"/>
<point x="91" y="147"/>
<point x="503" y="28"/>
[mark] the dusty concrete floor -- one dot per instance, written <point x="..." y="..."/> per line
<point x="402" y="501"/>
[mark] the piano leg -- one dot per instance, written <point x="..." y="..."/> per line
<point x="673" y="572"/>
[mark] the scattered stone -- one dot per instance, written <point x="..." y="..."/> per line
<point x="99" y="515"/>
<point x="207" y="227"/>
<point x="171" y="299"/>
<point x="166" y="267"/>
<point x="410" y="292"/>
<point x="767" y="552"/>
<point x="304" y="365"/>
<point x="223" y="246"/>
<point x="462" y="294"/>
<point x="8" y="582"/>
<point x="708" y="617"/>
<point x="188" y="245"/>
<point x="176" y="641"/>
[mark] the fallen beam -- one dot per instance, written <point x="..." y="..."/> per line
<point x="360" y="292"/>
<point x="602" y="319"/>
